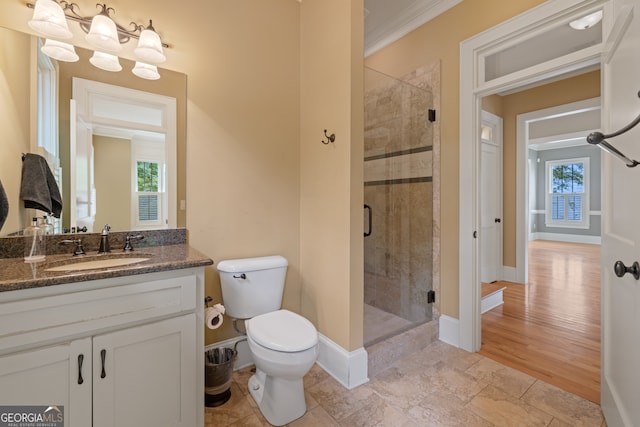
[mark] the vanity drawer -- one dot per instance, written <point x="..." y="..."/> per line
<point x="71" y="315"/>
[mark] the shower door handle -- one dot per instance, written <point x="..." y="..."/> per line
<point x="368" y="233"/>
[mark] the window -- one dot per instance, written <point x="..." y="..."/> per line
<point x="567" y="203"/>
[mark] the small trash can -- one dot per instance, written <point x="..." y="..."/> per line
<point x="218" y="370"/>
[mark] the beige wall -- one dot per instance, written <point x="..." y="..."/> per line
<point x="331" y="180"/>
<point x="14" y="119"/>
<point x="243" y="151"/>
<point x="578" y="88"/>
<point x="440" y="39"/>
<point x="112" y="163"/>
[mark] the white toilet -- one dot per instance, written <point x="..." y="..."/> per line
<point x="284" y="345"/>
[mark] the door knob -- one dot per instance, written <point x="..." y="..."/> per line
<point x="620" y="269"/>
<point x="498" y="220"/>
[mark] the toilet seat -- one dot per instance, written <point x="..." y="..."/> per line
<point x="282" y="330"/>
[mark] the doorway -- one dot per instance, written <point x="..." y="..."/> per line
<point x="548" y="320"/>
<point x="481" y="75"/>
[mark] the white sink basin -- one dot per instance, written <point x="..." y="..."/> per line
<point x="99" y="263"/>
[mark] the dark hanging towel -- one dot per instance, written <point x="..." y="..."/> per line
<point x="38" y="187"/>
<point x="4" y="206"/>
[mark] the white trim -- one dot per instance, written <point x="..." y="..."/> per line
<point x="472" y="89"/>
<point x="449" y="330"/>
<point x="572" y="238"/>
<point x="348" y="368"/>
<point x="509" y="274"/>
<point x="414" y="16"/>
<point x="492" y="301"/>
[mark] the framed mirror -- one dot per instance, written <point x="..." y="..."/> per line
<point x="20" y="104"/>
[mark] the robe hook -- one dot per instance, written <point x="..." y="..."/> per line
<point x="330" y="138"/>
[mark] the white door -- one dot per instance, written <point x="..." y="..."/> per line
<point x="144" y="376"/>
<point x="620" y="232"/>
<point x="82" y="212"/>
<point x="58" y="376"/>
<point x="491" y="198"/>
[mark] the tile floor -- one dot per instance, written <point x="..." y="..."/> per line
<point x="438" y="386"/>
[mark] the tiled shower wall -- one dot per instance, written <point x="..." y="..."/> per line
<point x="399" y="188"/>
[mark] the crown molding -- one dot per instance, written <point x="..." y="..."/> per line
<point x="420" y="12"/>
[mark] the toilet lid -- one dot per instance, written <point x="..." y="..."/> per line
<point x="282" y="330"/>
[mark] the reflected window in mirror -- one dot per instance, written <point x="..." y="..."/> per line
<point x="148" y="194"/>
<point x="150" y="208"/>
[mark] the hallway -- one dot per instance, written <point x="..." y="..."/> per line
<point x="550" y="328"/>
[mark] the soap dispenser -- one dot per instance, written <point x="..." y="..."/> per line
<point x="34" y="242"/>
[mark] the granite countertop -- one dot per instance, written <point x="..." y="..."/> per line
<point x="15" y="274"/>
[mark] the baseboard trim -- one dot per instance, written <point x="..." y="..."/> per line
<point x="509" y="274"/>
<point x="571" y="238"/>
<point x="491" y="301"/>
<point x="348" y="368"/>
<point x="449" y="330"/>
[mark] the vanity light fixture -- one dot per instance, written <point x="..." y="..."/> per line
<point x="105" y="61"/>
<point x="59" y="50"/>
<point x="49" y="19"/>
<point x="103" y="33"/>
<point x="587" y="21"/>
<point x="146" y="71"/>
<point x="149" y="46"/>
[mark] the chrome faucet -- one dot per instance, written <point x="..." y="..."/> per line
<point x="104" y="240"/>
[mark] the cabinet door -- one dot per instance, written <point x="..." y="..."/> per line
<point x="145" y="376"/>
<point x="59" y="376"/>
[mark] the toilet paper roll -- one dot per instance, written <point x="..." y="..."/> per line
<point x="213" y="316"/>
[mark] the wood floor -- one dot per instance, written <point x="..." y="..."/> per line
<point x="550" y="328"/>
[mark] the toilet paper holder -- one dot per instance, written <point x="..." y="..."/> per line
<point x="207" y="300"/>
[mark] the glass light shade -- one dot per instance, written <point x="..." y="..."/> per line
<point x="150" y="47"/>
<point x="60" y="51"/>
<point x="103" y="34"/>
<point x="105" y="61"/>
<point x="587" y="21"/>
<point x="146" y="71"/>
<point x="48" y="19"/>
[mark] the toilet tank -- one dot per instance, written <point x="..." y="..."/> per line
<point x="252" y="286"/>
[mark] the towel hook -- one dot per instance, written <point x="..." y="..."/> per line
<point x="330" y="138"/>
<point x="598" y="138"/>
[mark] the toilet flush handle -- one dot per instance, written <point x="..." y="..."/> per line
<point x="242" y="276"/>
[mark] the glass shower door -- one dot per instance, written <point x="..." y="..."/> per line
<point x="398" y="194"/>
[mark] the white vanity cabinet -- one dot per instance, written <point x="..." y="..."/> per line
<point x="118" y="352"/>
